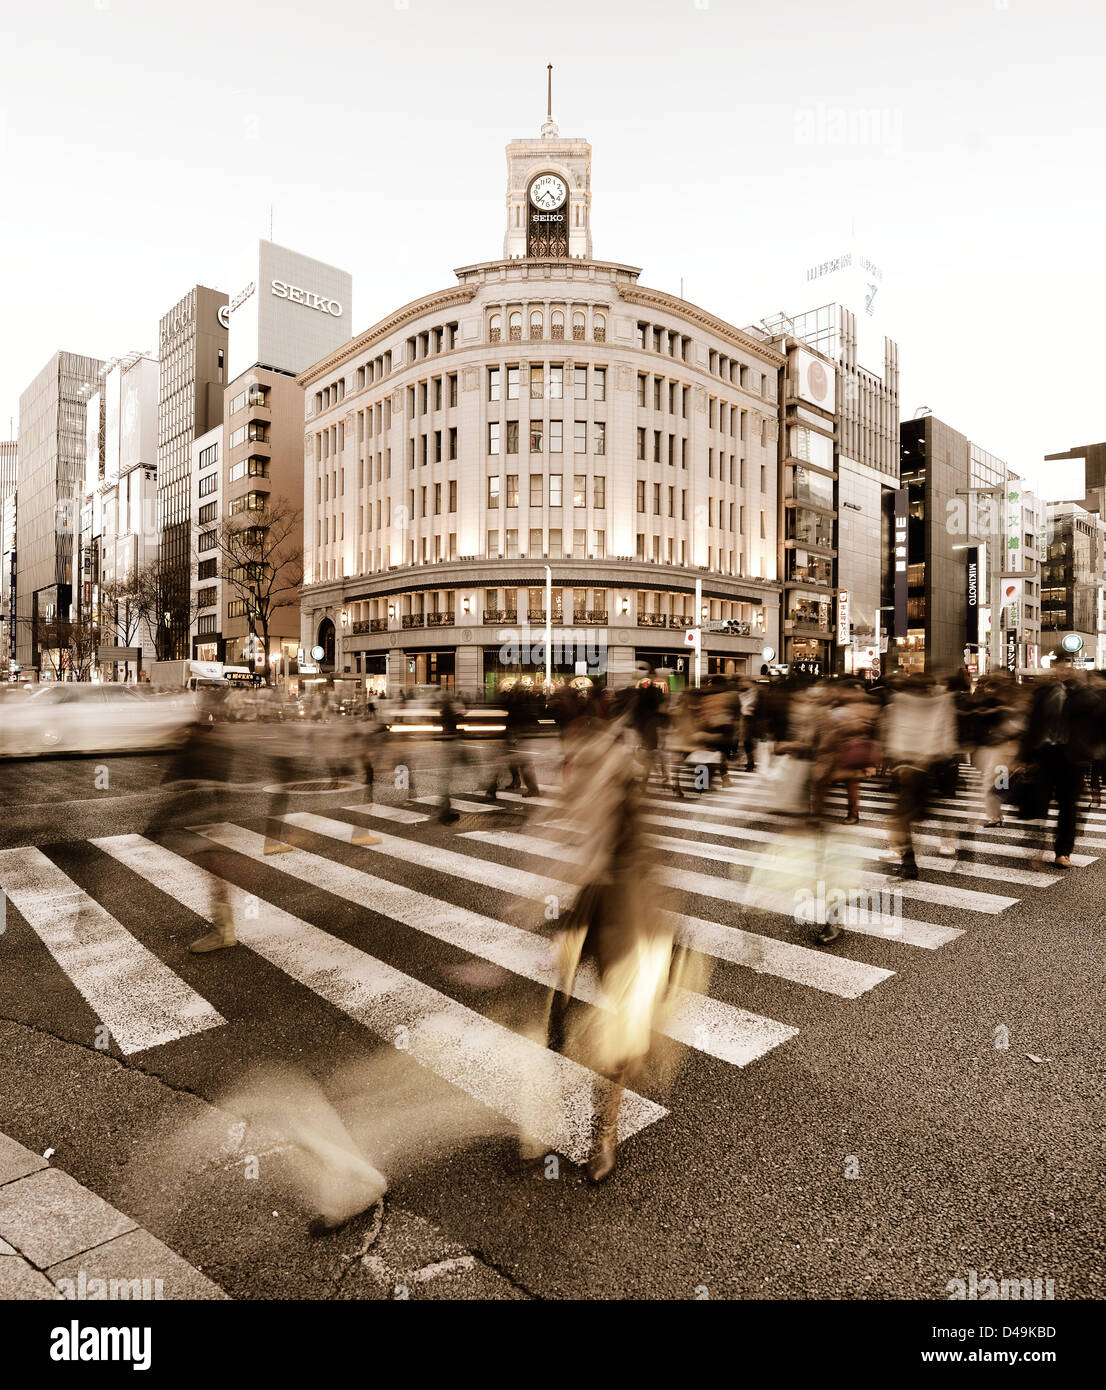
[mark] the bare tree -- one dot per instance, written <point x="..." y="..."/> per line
<point x="163" y="600"/>
<point x="261" y="561"/>
<point x="68" y="647"/>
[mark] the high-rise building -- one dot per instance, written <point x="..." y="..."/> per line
<point x="865" y="467"/>
<point x="1073" y="584"/>
<point x="192" y="346"/>
<point x="971" y="582"/>
<point x="292" y="311"/>
<point x="546" y="411"/>
<point x="9" y="462"/>
<point x="49" y="486"/>
<point x="119" y="531"/>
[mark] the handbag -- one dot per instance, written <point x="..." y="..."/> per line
<point x="1029" y="793"/>
<point x="855" y="753"/>
<point x="787" y="784"/>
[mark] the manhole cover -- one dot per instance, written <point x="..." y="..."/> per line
<point x="331" y="784"/>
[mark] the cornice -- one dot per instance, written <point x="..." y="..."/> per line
<point x="660" y="299"/>
<point x="440" y="299"/>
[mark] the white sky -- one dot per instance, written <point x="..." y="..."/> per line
<point x="141" y="145"/>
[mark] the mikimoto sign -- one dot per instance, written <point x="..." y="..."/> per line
<point x="295" y="295"/>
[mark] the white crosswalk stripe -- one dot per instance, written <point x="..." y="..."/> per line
<point x="734" y="1035"/>
<point x="141" y="1001"/>
<point x="532" y="1087"/>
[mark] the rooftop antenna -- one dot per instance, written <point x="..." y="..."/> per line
<point x="549" y="91"/>
<point x="270" y="221"/>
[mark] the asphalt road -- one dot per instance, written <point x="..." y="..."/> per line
<point x="885" y="1148"/>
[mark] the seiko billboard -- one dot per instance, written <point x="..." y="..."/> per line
<point x="290" y="311"/>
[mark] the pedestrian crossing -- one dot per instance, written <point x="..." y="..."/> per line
<point x="722" y="859"/>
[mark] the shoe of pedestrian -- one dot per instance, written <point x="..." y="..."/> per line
<point x="948" y="849"/>
<point x="909" y="867"/>
<point x="830" y="932"/>
<point x="1062" y="861"/>
<point x="364" y="837"/>
<point x="277" y="846"/>
<point x="602" y="1161"/>
<point x="852" y="820"/>
<point x="991" y="824"/>
<point x="221" y="936"/>
<point x="448" y="817"/>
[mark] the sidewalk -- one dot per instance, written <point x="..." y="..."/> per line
<point x="59" y="1240"/>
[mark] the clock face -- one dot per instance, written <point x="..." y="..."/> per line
<point x="548" y="192"/>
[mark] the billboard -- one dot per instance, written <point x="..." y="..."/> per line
<point x="138" y="414"/>
<point x="287" y="312"/>
<point x="814" y="380"/>
<point x="111" y="424"/>
<point x="971" y="626"/>
<point x="900" y="558"/>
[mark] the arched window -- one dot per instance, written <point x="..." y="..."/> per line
<point x="515" y="325"/>
<point x="557" y="324"/>
<point x="578" y="327"/>
<point x="495" y="328"/>
<point x="536" y="325"/>
<point x="600" y="326"/>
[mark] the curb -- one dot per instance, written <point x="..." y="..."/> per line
<point x="58" y="1240"/>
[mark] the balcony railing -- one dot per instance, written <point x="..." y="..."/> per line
<point x="677" y="620"/>
<point x="361" y="626"/>
<point x="446" y="619"/>
<point x="378" y="624"/>
<point x="652" y="620"/>
<point x="593" y="615"/>
<point x="499" y="615"/>
<point x="413" y="620"/>
<point x="535" y="615"/>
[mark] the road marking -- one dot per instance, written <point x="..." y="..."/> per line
<point x="732" y="1034"/>
<point x="532" y="1087"/>
<point x="455" y="802"/>
<point x="141" y="1001"/>
<point x="398" y="814"/>
<point x="907" y="930"/>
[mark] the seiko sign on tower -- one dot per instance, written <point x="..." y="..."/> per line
<point x="268" y="325"/>
<point x="313" y="301"/>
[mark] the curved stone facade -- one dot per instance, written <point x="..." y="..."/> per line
<point x="541" y="413"/>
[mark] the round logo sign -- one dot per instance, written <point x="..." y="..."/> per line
<point x="817" y="381"/>
<point x="767" y="653"/>
<point x="1072" y="642"/>
<point x="317" y="653"/>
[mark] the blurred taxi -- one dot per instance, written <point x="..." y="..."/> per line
<point x="74" y="717"/>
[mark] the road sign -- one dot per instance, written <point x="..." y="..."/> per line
<point x="875" y="667"/>
<point x="691" y="637"/>
<point x="1072" y="642"/>
<point x="107" y="654"/>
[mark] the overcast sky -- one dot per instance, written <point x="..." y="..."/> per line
<point x="734" y="144"/>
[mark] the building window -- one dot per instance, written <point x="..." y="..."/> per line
<point x="208" y="513"/>
<point x="512" y="489"/>
<point x="208" y="540"/>
<point x="555" y="489"/>
<point x="578" y="327"/>
<point x="554" y="543"/>
<point x="579" y="489"/>
<point x="641" y="441"/>
<point x="535" y="489"/>
<point x="535" y="541"/>
<point x="512" y="543"/>
<point x="599" y="497"/>
<point x="512" y="383"/>
<point x="580" y="437"/>
<point x="493" y="383"/>
<point x="580" y="544"/>
<point x="207" y="598"/>
<point x="599" y="549"/>
<point x="556" y="436"/>
<point x="600" y="328"/>
<point x="641" y="495"/>
<point x="537" y="383"/>
<point x="493" y="439"/>
<point x="453" y="495"/>
<point x="495" y="328"/>
<point x="492" y="551"/>
<point x="557" y="324"/>
<point x="536" y="436"/>
<point x="535" y="325"/>
<point x="209" y="484"/>
<point x="493" y="493"/>
<point x="599" y="377"/>
<point x="514" y="324"/>
<point x="207" y="569"/>
<point x="599" y="444"/>
<point x="580" y="383"/>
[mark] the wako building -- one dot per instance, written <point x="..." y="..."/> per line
<point x="546" y="418"/>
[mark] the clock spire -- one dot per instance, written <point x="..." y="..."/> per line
<point x="549" y="126"/>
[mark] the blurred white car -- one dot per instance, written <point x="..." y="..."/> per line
<point x="77" y="718"/>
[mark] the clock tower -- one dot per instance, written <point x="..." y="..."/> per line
<point x="548" y="197"/>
